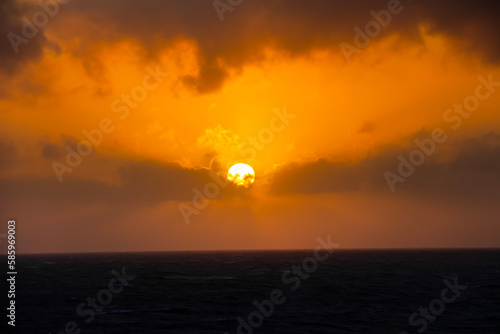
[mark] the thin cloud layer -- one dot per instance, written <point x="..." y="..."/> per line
<point x="472" y="168"/>
<point x="141" y="183"/>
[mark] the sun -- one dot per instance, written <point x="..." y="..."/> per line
<point x="241" y="175"/>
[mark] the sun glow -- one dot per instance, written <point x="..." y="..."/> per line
<point x="241" y="175"/>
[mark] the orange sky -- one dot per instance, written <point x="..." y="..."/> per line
<point x="178" y="96"/>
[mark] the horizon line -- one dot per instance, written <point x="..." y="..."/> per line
<point x="263" y="250"/>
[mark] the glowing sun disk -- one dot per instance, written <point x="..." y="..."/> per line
<point x="241" y="175"/>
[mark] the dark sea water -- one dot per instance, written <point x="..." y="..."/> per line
<point x="205" y="292"/>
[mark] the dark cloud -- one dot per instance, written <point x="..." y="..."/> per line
<point x="51" y="151"/>
<point x="471" y="168"/>
<point x="7" y="151"/>
<point x="152" y="182"/>
<point x="474" y="25"/>
<point x="141" y="183"/>
<point x="294" y="26"/>
<point x="367" y="127"/>
<point x="55" y="150"/>
<point x="11" y="15"/>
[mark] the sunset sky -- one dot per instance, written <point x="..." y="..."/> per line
<point x="323" y="99"/>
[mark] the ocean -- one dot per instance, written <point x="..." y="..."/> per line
<point x="347" y="291"/>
